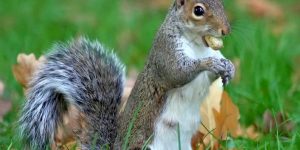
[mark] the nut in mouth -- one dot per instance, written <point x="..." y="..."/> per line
<point x="215" y="43"/>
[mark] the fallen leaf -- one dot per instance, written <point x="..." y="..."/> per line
<point x="197" y="141"/>
<point x="269" y="121"/>
<point x="1" y="88"/>
<point x="219" y="116"/>
<point x="296" y="7"/>
<point x="227" y="120"/>
<point x="130" y="81"/>
<point x="295" y="77"/>
<point x="5" y="106"/>
<point x="216" y="146"/>
<point x="27" y="64"/>
<point x="160" y="3"/>
<point x="266" y="9"/>
<point x="64" y="138"/>
<point x="211" y="102"/>
<point x="262" y="8"/>
<point x="73" y="120"/>
<point x="155" y="4"/>
<point x="23" y="72"/>
<point x="279" y="123"/>
<point x="250" y="133"/>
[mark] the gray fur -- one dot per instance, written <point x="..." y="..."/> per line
<point x="80" y="73"/>
<point x="167" y="68"/>
<point x="84" y="75"/>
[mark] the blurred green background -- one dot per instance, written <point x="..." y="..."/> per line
<point x="266" y="44"/>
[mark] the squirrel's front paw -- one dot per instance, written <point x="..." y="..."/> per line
<point x="221" y="67"/>
<point x="229" y="71"/>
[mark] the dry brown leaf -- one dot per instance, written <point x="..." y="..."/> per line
<point x="157" y="4"/>
<point x="251" y="133"/>
<point x="208" y="125"/>
<point x="223" y="120"/>
<point x="280" y="123"/>
<point x="197" y="141"/>
<point x="5" y="106"/>
<point x="160" y="3"/>
<point x="295" y="77"/>
<point x="65" y="138"/>
<point x="269" y="121"/>
<point x="206" y="110"/>
<point x="227" y="120"/>
<point x="23" y="72"/>
<point x="266" y="9"/>
<point x="296" y="7"/>
<point x="25" y="68"/>
<point x="263" y="8"/>
<point x="130" y="81"/>
<point x="1" y="88"/>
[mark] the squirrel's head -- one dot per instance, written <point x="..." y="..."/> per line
<point x="203" y="17"/>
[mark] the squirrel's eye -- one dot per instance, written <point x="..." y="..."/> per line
<point x="198" y="11"/>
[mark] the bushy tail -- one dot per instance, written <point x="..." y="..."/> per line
<point x="79" y="73"/>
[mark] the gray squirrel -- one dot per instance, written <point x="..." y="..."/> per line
<point x="166" y="96"/>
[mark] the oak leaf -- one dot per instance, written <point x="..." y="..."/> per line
<point x="27" y="65"/>
<point x="73" y="120"/>
<point x="227" y="120"/>
<point x="23" y="72"/>
<point x="219" y="116"/>
<point x="211" y="102"/>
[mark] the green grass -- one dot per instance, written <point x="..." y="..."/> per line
<point x="267" y="64"/>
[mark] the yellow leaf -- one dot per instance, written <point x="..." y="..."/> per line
<point x="211" y="102"/>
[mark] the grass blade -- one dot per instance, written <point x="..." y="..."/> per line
<point x="178" y="133"/>
<point x="124" y="147"/>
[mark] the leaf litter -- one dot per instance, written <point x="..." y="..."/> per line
<point x="219" y="115"/>
<point x="5" y="106"/>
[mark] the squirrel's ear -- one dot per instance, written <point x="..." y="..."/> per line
<point x="180" y="3"/>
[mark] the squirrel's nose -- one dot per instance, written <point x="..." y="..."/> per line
<point x="224" y="30"/>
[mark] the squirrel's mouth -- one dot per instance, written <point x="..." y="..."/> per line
<point x="213" y="42"/>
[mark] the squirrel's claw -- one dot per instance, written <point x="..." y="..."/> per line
<point x="221" y="67"/>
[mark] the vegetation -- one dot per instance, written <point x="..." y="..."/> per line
<point x="267" y="47"/>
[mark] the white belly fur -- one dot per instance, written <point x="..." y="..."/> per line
<point x="183" y="106"/>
